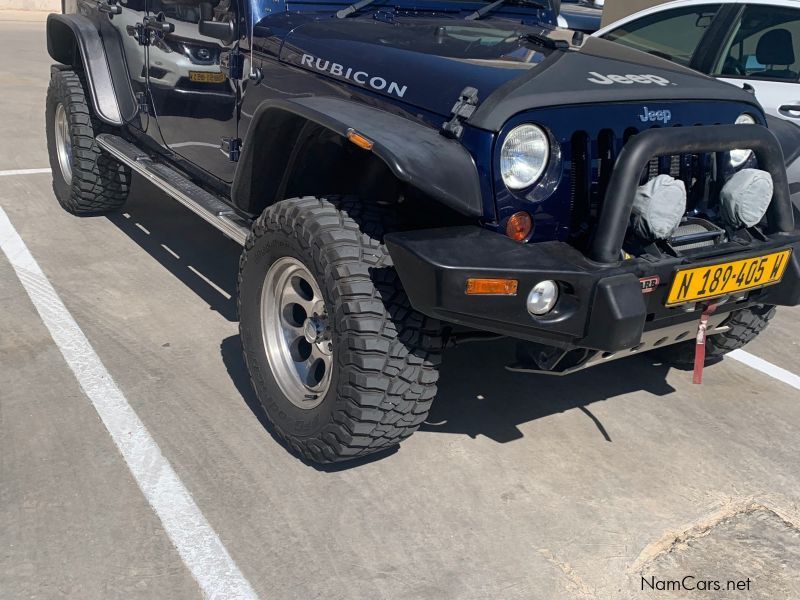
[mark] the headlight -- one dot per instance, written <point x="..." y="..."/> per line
<point x="524" y="156"/>
<point x="741" y="156"/>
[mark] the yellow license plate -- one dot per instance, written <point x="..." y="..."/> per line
<point x="713" y="281"/>
<point x="206" y="77"/>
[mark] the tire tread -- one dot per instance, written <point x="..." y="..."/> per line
<point x="389" y="367"/>
<point x="100" y="184"/>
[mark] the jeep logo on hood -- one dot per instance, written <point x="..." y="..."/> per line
<point x="627" y="79"/>
<point x="351" y="74"/>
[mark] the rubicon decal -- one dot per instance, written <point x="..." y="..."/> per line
<point x="352" y="74"/>
<point x="627" y="79"/>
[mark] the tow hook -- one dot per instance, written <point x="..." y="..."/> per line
<point x="700" y="346"/>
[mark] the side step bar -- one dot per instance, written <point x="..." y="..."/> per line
<point x="196" y="199"/>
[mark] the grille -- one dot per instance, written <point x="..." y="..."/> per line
<point x="592" y="162"/>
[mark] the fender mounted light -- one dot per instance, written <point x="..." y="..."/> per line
<point x="359" y="140"/>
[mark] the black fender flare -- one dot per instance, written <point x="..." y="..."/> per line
<point x="65" y="34"/>
<point x="416" y="154"/>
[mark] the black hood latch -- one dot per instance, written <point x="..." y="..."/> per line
<point x="462" y="110"/>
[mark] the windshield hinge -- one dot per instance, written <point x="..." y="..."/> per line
<point x="143" y="103"/>
<point x="547" y="42"/>
<point x="233" y="148"/>
<point x="462" y="110"/>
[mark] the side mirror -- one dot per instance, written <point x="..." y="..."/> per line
<point x="219" y="30"/>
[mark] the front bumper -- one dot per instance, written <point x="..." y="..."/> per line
<point x="601" y="306"/>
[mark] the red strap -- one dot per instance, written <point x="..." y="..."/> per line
<point x="700" y="347"/>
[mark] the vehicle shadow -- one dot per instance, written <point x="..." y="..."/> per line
<point x="203" y="259"/>
<point x="477" y="396"/>
<point x="489" y="400"/>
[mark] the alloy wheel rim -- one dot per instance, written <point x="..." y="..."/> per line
<point x="296" y="333"/>
<point x="63" y="143"/>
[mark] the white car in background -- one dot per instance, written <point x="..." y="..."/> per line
<point x="753" y="43"/>
<point x="580" y="15"/>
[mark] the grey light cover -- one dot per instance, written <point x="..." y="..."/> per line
<point x="745" y="197"/>
<point x="658" y="207"/>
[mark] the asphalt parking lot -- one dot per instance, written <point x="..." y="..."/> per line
<point x="518" y="487"/>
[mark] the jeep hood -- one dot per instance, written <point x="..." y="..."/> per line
<point x="426" y="63"/>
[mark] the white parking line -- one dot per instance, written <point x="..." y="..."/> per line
<point x="767" y="367"/>
<point x="196" y="542"/>
<point x="225" y="294"/>
<point x="24" y="172"/>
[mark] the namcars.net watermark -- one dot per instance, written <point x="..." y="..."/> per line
<point x="691" y="583"/>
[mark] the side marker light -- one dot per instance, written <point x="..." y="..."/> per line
<point x="492" y="287"/>
<point x="359" y="140"/>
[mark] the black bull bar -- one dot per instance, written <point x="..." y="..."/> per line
<point x="641" y="148"/>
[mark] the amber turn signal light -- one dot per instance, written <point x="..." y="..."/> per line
<point x="519" y="226"/>
<point x="492" y="287"/>
<point x="359" y="140"/>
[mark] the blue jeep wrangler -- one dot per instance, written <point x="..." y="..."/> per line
<point x="406" y="175"/>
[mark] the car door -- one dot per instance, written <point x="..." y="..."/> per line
<point x="194" y="99"/>
<point x="763" y="51"/>
<point x="672" y="33"/>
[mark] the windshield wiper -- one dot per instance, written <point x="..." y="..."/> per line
<point x="483" y="10"/>
<point x="355" y="7"/>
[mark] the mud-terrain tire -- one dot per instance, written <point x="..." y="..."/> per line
<point x="385" y="355"/>
<point x="86" y="181"/>
<point x="745" y="325"/>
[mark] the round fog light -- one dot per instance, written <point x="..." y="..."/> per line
<point x="543" y="297"/>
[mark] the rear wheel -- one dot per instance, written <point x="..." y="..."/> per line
<point x="338" y="358"/>
<point x="744" y="326"/>
<point x="86" y="181"/>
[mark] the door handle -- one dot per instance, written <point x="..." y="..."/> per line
<point x="158" y="24"/>
<point x="109" y="6"/>
<point x="790" y="108"/>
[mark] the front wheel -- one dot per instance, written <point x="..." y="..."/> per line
<point x="341" y="363"/>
